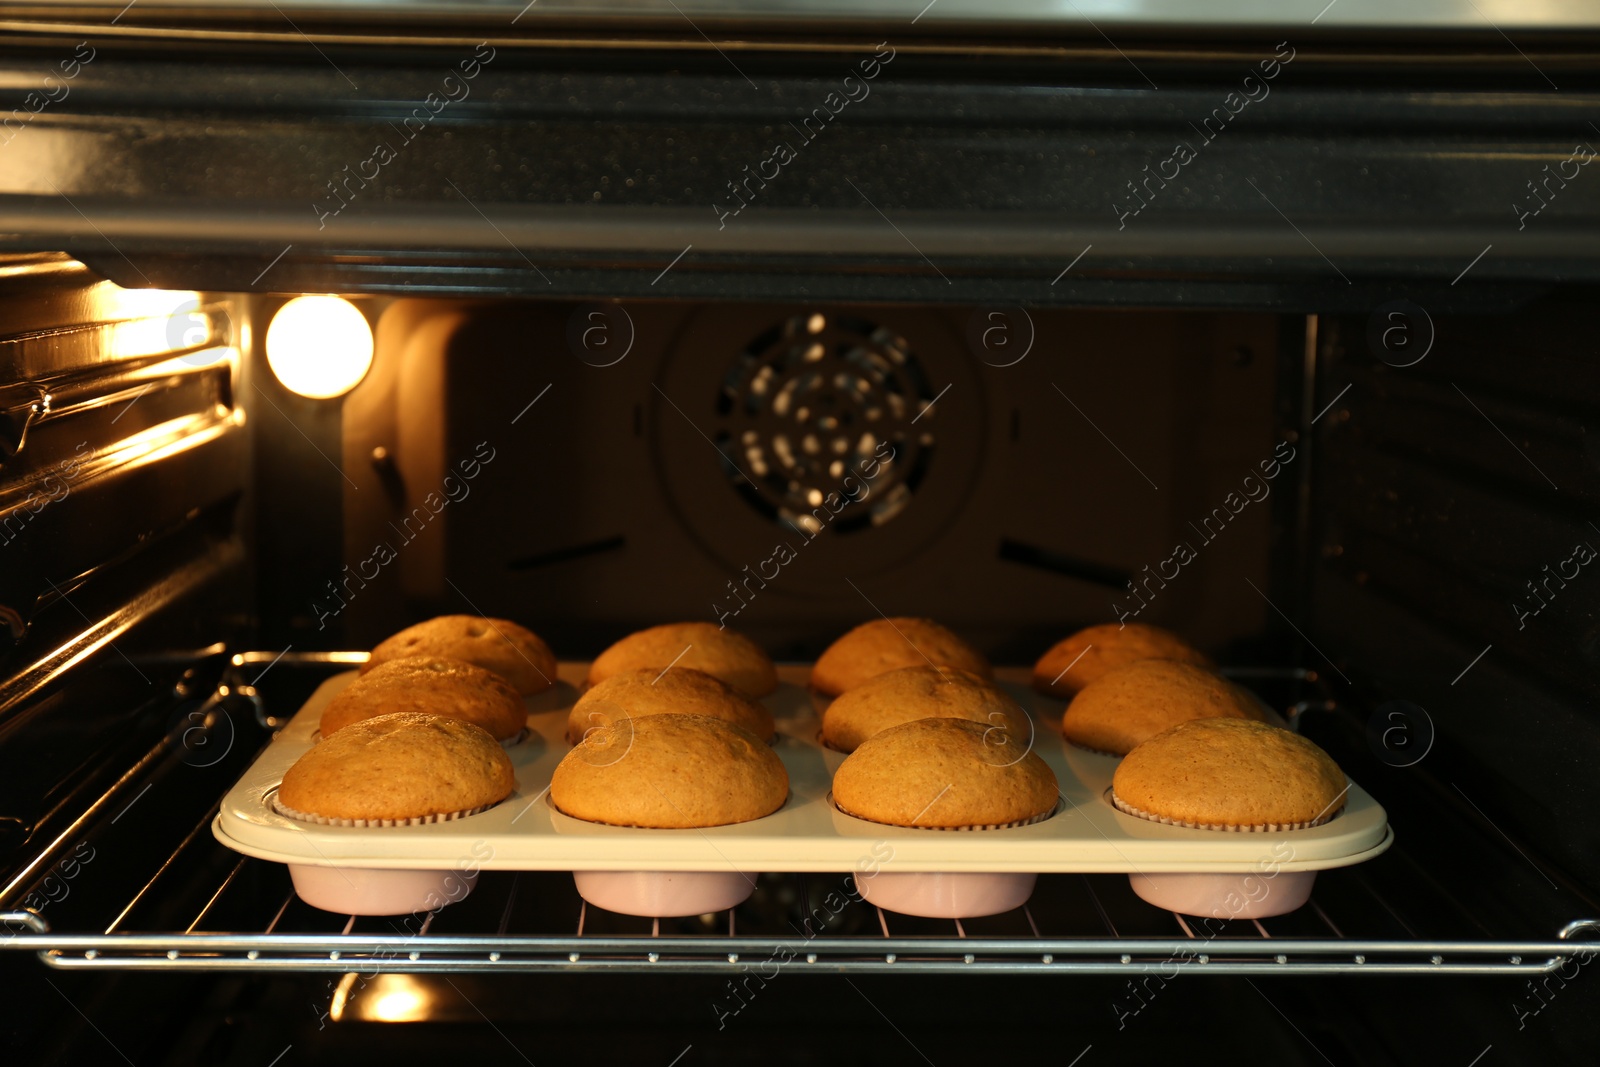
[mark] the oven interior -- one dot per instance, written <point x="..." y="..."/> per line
<point x="1328" y="362"/>
<point x="190" y="546"/>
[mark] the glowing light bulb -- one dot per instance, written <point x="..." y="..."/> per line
<point x="398" y="1006"/>
<point x="319" y="346"/>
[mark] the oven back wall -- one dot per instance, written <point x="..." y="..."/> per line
<point x="792" y="470"/>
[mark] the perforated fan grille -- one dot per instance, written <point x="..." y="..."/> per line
<point x="829" y="422"/>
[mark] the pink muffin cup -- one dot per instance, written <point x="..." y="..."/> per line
<point x="664" y="894"/>
<point x="376" y="891"/>
<point x="1225" y="896"/>
<point x="947" y="894"/>
<point x="1234" y="895"/>
<point x="366" y="891"/>
<point x="950" y="894"/>
<point x="661" y="894"/>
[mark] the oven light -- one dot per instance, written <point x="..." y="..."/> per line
<point x="319" y="346"/>
<point x="392" y="998"/>
<point x="398" y="1006"/>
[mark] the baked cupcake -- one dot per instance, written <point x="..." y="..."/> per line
<point x="516" y="654"/>
<point x="430" y="686"/>
<point x="1229" y="774"/>
<point x="912" y="693"/>
<point x="1133" y="703"/>
<point x="883" y="645"/>
<point x="1082" y="658"/>
<point x="733" y="658"/>
<point x="948" y="774"/>
<point x="397" y="770"/>
<point x="670" y="772"/>
<point x="679" y="691"/>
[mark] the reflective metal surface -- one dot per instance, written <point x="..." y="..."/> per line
<point x="1084" y="15"/>
<point x="1363" y="164"/>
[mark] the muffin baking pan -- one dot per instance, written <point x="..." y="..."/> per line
<point x="526" y="832"/>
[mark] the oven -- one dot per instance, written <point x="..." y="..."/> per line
<point x="276" y="277"/>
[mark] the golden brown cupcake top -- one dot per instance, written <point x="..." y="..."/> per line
<point x="403" y="766"/>
<point x="733" y="658"/>
<point x="1133" y="703"/>
<point x="883" y="645"/>
<point x="679" y="691"/>
<point x="1082" y="658"/>
<point x="1231" y="773"/>
<point x="430" y="686"/>
<point x="670" y="772"/>
<point x="911" y="693"/>
<point x="944" y="773"/>
<point x="516" y="654"/>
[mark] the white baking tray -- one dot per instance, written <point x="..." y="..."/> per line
<point x="527" y="833"/>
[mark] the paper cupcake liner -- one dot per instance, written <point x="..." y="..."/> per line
<point x="1041" y="817"/>
<point x="323" y="820"/>
<point x="1190" y="824"/>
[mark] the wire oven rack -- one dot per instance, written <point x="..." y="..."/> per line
<point x="1388" y="917"/>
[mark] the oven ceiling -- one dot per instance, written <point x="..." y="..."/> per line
<point x="1121" y="15"/>
<point x="252" y="152"/>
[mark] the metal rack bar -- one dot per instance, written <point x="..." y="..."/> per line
<point x="41" y="863"/>
<point x="502" y="951"/>
<point x="900" y="964"/>
<point x="511" y="900"/>
<point x="1324" y="916"/>
<point x="602" y="945"/>
<point x="285" y="907"/>
<point x="291" y="657"/>
<point x="221" y="889"/>
<point x="166" y="865"/>
<point x="1099" y="907"/>
<point x="898" y="960"/>
<point x="460" y="953"/>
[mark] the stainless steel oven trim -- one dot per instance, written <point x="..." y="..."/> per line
<point x="1088" y="16"/>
